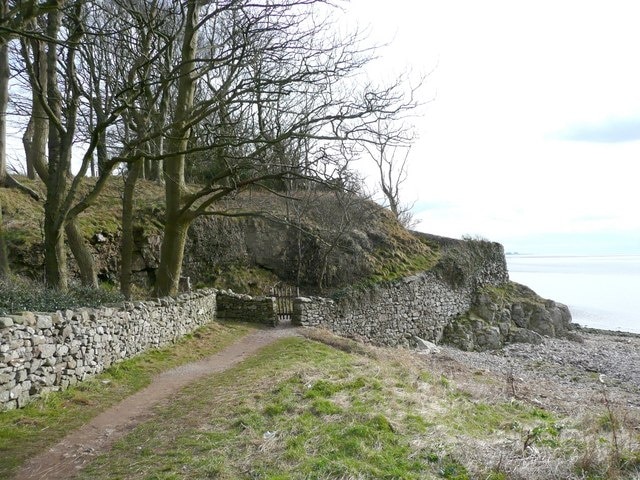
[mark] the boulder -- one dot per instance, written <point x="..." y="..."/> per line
<point x="505" y="314"/>
<point x="424" y="346"/>
<point x="523" y="335"/>
<point x="488" y="338"/>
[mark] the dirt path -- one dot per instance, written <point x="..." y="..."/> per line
<point x="72" y="453"/>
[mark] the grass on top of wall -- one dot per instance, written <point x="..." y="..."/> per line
<point x="42" y="423"/>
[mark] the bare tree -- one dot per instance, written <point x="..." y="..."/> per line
<point x="34" y="139"/>
<point x="259" y="93"/>
<point x="97" y="76"/>
<point x="66" y="28"/>
<point x="4" y="100"/>
<point x="261" y="76"/>
<point x="4" y="258"/>
<point x="13" y="17"/>
<point x="348" y="210"/>
<point x="389" y="146"/>
<point x="148" y="45"/>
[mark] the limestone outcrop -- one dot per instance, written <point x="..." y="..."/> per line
<point x="421" y="306"/>
<point x="509" y="313"/>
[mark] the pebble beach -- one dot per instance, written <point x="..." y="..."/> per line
<point x="564" y="374"/>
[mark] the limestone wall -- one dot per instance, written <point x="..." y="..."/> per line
<point x="390" y="314"/>
<point x="394" y="313"/>
<point x="237" y="307"/>
<point x="47" y="352"/>
<point x="44" y="352"/>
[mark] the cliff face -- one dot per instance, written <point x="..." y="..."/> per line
<point x="316" y="239"/>
<point x="322" y="250"/>
<point x="465" y="295"/>
<point x="465" y="300"/>
<point x="420" y="306"/>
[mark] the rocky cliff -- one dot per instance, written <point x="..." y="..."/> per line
<point x="500" y="311"/>
<point x="465" y="300"/>
<point x="316" y="239"/>
<point x="327" y="246"/>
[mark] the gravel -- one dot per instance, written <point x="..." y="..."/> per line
<point x="563" y="374"/>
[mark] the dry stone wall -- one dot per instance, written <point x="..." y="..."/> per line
<point x="42" y="352"/>
<point x="395" y="313"/>
<point x="455" y="303"/>
<point x="391" y="314"/>
<point x="237" y="307"/>
<point x="46" y="352"/>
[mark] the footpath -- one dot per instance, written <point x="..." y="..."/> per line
<point x="63" y="460"/>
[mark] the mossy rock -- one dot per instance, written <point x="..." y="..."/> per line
<point x="508" y="313"/>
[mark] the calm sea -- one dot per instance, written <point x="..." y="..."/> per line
<point x="601" y="292"/>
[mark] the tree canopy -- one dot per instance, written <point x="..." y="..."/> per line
<point x="208" y="97"/>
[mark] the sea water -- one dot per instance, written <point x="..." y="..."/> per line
<point x="601" y="292"/>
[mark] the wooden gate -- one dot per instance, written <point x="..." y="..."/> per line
<point x="284" y="295"/>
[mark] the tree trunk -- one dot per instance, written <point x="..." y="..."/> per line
<point x="55" y="255"/>
<point x="37" y="132"/>
<point x="178" y="219"/>
<point x="126" y="247"/>
<point x="102" y="152"/>
<point x="5" y="179"/>
<point x="171" y="255"/>
<point x="55" y="264"/>
<point x="157" y="166"/>
<point x="82" y="254"/>
<point x="34" y="141"/>
<point x="158" y="173"/>
<point x="27" y="142"/>
<point x="144" y="170"/>
<point x="4" y="100"/>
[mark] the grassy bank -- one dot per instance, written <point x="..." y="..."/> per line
<point x="28" y="431"/>
<point x="327" y="408"/>
<point x="302" y="409"/>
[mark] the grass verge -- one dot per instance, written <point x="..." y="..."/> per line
<point x="301" y="409"/>
<point x="329" y="408"/>
<point x="28" y="431"/>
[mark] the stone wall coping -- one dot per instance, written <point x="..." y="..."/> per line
<point x="313" y="299"/>
<point x="244" y="296"/>
<point x="42" y="352"/>
<point x="31" y="318"/>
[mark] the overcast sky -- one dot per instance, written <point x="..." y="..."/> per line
<point x="533" y="135"/>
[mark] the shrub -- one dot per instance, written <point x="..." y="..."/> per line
<point x="17" y="295"/>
